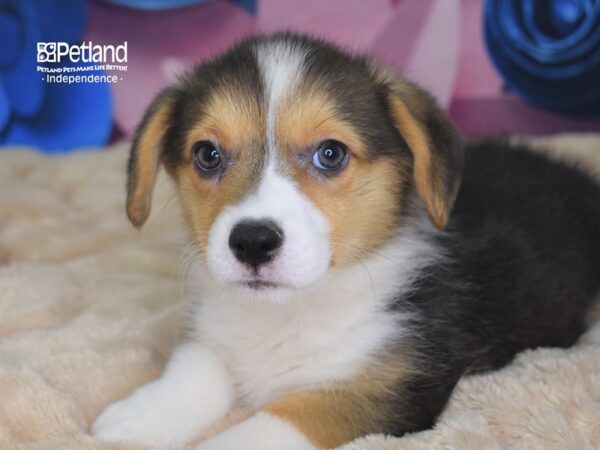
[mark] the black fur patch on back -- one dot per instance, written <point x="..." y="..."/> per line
<point x="522" y="269"/>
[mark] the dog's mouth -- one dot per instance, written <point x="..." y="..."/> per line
<point x="259" y="284"/>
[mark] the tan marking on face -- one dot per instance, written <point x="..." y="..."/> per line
<point x="232" y="119"/>
<point x="143" y="176"/>
<point x="310" y="117"/>
<point x="361" y="202"/>
<point x="361" y="205"/>
<point x="332" y="417"/>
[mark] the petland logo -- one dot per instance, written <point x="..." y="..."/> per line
<point x="86" y="57"/>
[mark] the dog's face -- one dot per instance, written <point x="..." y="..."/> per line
<point x="292" y="158"/>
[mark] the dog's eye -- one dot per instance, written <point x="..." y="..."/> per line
<point x="330" y="156"/>
<point x="206" y="157"/>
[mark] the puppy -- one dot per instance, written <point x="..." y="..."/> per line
<point x="344" y="277"/>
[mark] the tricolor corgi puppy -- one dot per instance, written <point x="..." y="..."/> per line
<point x="354" y="258"/>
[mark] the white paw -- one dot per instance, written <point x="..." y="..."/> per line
<point x="261" y="432"/>
<point x="149" y="417"/>
<point x="192" y="393"/>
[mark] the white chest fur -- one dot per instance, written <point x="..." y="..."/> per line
<point x="251" y="350"/>
<point x="325" y="333"/>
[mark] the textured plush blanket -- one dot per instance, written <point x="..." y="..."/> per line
<point x="90" y="308"/>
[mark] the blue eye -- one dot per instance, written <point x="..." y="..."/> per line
<point x="206" y="157"/>
<point x="330" y="156"/>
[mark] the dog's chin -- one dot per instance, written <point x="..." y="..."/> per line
<point x="269" y="284"/>
<point x="264" y="290"/>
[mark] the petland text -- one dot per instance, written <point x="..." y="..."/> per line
<point x="54" y="52"/>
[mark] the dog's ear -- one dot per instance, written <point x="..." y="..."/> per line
<point x="145" y="155"/>
<point x="435" y="145"/>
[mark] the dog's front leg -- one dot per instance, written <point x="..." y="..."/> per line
<point x="386" y="401"/>
<point x="306" y="420"/>
<point x="194" y="391"/>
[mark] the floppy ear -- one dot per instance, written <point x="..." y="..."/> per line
<point x="435" y="145"/>
<point x="144" y="157"/>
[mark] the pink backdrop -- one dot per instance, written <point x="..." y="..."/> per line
<point x="437" y="43"/>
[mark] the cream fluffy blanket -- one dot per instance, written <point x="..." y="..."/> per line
<point x="90" y="308"/>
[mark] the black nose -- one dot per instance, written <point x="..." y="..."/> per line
<point x="255" y="243"/>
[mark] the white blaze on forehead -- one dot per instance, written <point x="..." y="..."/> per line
<point x="281" y="65"/>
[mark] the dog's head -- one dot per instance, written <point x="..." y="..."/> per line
<point x="292" y="157"/>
